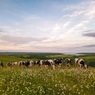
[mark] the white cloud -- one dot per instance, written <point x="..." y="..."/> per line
<point x="56" y="29"/>
<point x="64" y="32"/>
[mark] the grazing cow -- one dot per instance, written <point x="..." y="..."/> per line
<point x="81" y="63"/>
<point x="52" y="63"/>
<point x="38" y="62"/>
<point x="21" y="63"/>
<point x="9" y="64"/>
<point x="1" y="64"/>
<point x="76" y="61"/>
<point x="49" y="63"/>
<point x="26" y="63"/>
<point x="58" y="61"/>
<point x="32" y="63"/>
<point x="68" y="62"/>
<point x="14" y="64"/>
<point x="41" y="62"/>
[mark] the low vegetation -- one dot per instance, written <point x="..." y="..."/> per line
<point x="45" y="81"/>
<point x="38" y="81"/>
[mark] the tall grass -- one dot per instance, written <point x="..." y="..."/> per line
<point x="74" y="81"/>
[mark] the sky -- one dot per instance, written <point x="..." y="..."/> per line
<point x="64" y="26"/>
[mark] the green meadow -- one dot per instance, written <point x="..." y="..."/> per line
<point x="45" y="81"/>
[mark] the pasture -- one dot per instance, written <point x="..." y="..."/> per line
<point x="42" y="81"/>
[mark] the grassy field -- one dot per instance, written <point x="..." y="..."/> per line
<point x="73" y="81"/>
<point x="9" y="58"/>
<point x="42" y="81"/>
<point x="12" y="57"/>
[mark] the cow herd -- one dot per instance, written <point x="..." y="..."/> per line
<point x="47" y="63"/>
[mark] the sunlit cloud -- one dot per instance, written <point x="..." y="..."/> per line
<point x="63" y="28"/>
<point x="16" y="40"/>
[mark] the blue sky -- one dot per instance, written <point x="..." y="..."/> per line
<point x="47" y="25"/>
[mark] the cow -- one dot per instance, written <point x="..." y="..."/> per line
<point x="49" y="63"/>
<point x="1" y="64"/>
<point x="76" y="61"/>
<point x="9" y="64"/>
<point x="32" y="63"/>
<point x="41" y="62"/>
<point x="38" y="62"/>
<point x="80" y="63"/>
<point x="26" y="63"/>
<point x="58" y="61"/>
<point x="15" y="64"/>
<point x="20" y="63"/>
<point x="68" y="62"/>
<point x="52" y="64"/>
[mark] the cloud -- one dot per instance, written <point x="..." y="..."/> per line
<point x="52" y="40"/>
<point x="17" y="40"/>
<point x="1" y="30"/>
<point x="9" y="30"/>
<point x="80" y="49"/>
<point x="82" y="12"/>
<point x="53" y="32"/>
<point x="90" y="34"/>
<point x="77" y="6"/>
<point x="86" y="31"/>
<point x="92" y="45"/>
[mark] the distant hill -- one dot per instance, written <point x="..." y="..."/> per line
<point x="87" y="54"/>
<point x="42" y="53"/>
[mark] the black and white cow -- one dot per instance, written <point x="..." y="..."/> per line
<point x="49" y="63"/>
<point x="80" y="63"/>
<point x="52" y="64"/>
<point x="58" y="61"/>
<point x="32" y="63"/>
<point x="68" y="62"/>
<point x="21" y="63"/>
<point x="9" y="64"/>
<point x="1" y="64"/>
<point x="14" y="63"/>
<point x="38" y="62"/>
<point x="26" y="63"/>
<point x="76" y="61"/>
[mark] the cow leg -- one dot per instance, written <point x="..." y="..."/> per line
<point x="59" y="64"/>
<point x="53" y="66"/>
<point x="80" y="65"/>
